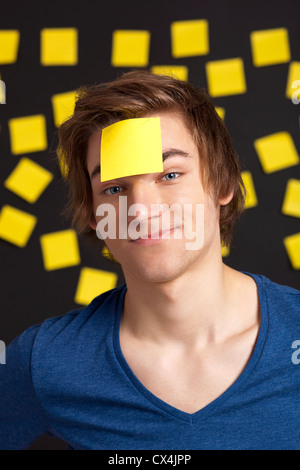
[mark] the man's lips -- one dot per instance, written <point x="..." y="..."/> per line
<point x="154" y="236"/>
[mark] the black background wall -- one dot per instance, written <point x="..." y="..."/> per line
<point x="29" y="294"/>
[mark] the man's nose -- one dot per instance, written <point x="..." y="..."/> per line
<point x="142" y="196"/>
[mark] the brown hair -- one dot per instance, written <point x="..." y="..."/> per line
<point x="135" y="94"/>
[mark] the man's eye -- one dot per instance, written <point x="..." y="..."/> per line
<point x="171" y="176"/>
<point x="112" y="190"/>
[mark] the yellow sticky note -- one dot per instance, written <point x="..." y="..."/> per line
<point x="293" y="81"/>
<point x="64" y="169"/>
<point x="251" y="198"/>
<point x="276" y="152"/>
<point x="291" y="200"/>
<point x="270" y="46"/>
<point x="131" y="147"/>
<point x="107" y="254"/>
<point x="9" y="45"/>
<point x="16" y="226"/>
<point x="59" y="46"/>
<point x="28" y="180"/>
<point x="28" y="134"/>
<point x="63" y="105"/>
<point x="225" y="251"/>
<point x="226" y="77"/>
<point x="60" y="249"/>
<point x="176" y="71"/>
<point x="130" y="48"/>
<point x="93" y="282"/>
<point x="292" y="246"/>
<point x="221" y="112"/>
<point x="189" y="38"/>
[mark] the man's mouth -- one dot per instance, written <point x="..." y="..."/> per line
<point x="154" y="236"/>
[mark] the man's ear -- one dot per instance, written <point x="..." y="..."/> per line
<point x="93" y="223"/>
<point x="226" y="200"/>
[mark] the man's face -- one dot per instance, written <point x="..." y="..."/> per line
<point x="158" y="259"/>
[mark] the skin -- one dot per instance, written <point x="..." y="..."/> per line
<point x="195" y="319"/>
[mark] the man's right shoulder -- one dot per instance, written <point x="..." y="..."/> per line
<point x="103" y="305"/>
<point x="59" y="333"/>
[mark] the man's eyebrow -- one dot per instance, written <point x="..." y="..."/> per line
<point x="167" y="154"/>
<point x="95" y="172"/>
<point x="174" y="153"/>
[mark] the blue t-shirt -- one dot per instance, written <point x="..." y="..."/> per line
<point x="68" y="378"/>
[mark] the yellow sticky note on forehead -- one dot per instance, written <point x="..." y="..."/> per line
<point x="131" y="147"/>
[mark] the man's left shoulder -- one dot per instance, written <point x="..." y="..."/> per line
<point x="280" y="298"/>
<point x="280" y="289"/>
<point x="277" y="297"/>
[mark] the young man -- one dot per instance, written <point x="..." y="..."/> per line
<point x="188" y="353"/>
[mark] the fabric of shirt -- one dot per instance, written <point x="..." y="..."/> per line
<point x="67" y="377"/>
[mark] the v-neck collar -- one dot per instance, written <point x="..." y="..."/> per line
<point x="162" y="405"/>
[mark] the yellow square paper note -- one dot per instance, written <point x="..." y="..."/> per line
<point x="93" y="282"/>
<point x="63" y="106"/>
<point x="28" y="134"/>
<point x="270" y="46"/>
<point x="293" y="82"/>
<point x="9" y="45"/>
<point x="63" y="166"/>
<point x="60" y="249"/>
<point x="16" y="226"/>
<point x="59" y="46"/>
<point x="292" y="246"/>
<point x="291" y="201"/>
<point x="107" y="254"/>
<point x="189" y="38"/>
<point x="276" y="152"/>
<point x="130" y="48"/>
<point x="28" y="180"/>
<point x="225" y="251"/>
<point x="131" y="147"/>
<point x="226" y="77"/>
<point x="251" y="198"/>
<point x="176" y="71"/>
<point x="221" y="112"/>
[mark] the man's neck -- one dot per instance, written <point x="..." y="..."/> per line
<point x="197" y="308"/>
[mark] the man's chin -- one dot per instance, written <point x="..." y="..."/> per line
<point x="161" y="263"/>
<point x="160" y="271"/>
